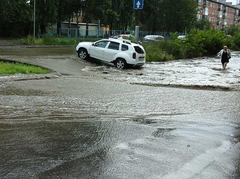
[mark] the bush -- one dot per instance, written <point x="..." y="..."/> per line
<point x="204" y="42"/>
<point x="232" y="30"/>
<point x="155" y="53"/>
<point x="26" y="41"/>
<point x="197" y="43"/>
<point x="236" y="41"/>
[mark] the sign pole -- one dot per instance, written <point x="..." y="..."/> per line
<point x="137" y="4"/>
<point x="137" y="25"/>
<point x="34" y="21"/>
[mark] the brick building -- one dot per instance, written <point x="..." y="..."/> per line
<point x="219" y="13"/>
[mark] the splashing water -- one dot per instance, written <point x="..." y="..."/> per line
<point x="198" y="73"/>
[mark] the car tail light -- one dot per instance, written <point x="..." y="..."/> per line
<point x="134" y="56"/>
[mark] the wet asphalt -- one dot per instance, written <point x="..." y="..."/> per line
<point x="89" y="120"/>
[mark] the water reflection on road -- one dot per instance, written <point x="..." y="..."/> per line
<point x="107" y="147"/>
<point x="108" y="130"/>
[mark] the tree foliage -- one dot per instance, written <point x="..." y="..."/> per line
<point x="233" y="29"/>
<point x="151" y="15"/>
<point x="16" y="16"/>
<point x="169" y="15"/>
<point x="46" y="14"/>
<point x="203" y="24"/>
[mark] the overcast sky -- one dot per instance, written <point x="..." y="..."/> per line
<point x="233" y="1"/>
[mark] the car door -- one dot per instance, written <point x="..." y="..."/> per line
<point x="111" y="50"/>
<point x="97" y="49"/>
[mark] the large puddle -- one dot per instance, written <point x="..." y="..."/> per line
<point x="197" y="73"/>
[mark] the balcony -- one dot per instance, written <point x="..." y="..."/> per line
<point x="205" y="3"/>
<point x="220" y="14"/>
<point x="205" y="11"/>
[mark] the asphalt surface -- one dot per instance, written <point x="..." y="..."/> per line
<point x="73" y="123"/>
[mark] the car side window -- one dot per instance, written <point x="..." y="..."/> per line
<point x="101" y="44"/>
<point x="124" y="47"/>
<point x="114" y="46"/>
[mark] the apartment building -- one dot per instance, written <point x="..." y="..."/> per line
<point x="219" y="13"/>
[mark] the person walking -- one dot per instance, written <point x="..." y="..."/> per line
<point x="225" y="55"/>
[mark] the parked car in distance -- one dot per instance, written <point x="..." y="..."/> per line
<point x="152" y="38"/>
<point x="228" y="36"/>
<point x="182" y="37"/>
<point x="120" y="52"/>
<point x="122" y="36"/>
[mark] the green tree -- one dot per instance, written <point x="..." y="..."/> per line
<point x="233" y="29"/>
<point x="126" y="14"/>
<point x="178" y="15"/>
<point x="93" y="10"/>
<point x="15" y="17"/>
<point x="121" y="14"/>
<point x="169" y="15"/>
<point x="46" y="14"/>
<point x="203" y="24"/>
<point x="117" y="14"/>
<point x="151" y="16"/>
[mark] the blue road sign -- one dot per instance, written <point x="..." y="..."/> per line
<point x="138" y="4"/>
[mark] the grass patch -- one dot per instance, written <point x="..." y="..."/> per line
<point x="16" y="68"/>
<point x="47" y="40"/>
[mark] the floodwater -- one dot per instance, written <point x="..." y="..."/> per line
<point x="96" y="123"/>
<point x="196" y="73"/>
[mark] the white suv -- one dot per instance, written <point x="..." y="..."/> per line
<point x="121" y="52"/>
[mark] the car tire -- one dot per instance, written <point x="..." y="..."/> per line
<point x="82" y="53"/>
<point x="120" y="64"/>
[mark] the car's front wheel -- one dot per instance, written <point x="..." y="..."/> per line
<point x="82" y="53"/>
<point x="120" y="63"/>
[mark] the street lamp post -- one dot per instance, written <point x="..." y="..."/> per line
<point x="34" y="21"/>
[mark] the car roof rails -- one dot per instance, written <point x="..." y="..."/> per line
<point x="126" y="41"/>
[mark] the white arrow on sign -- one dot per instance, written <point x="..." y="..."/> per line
<point x="138" y="4"/>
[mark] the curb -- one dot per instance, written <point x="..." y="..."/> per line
<point x="26" y="77"/>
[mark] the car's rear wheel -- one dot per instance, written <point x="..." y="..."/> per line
<point x="120" y="64"/>
<point x="82" y="53"/>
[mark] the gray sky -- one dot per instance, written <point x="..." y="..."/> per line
<point x="233" y="1"/>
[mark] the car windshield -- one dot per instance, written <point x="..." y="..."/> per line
<point x="138" y="50"/>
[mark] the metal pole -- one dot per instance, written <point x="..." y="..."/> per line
<point x="34" y="21"/>
<point x="137" y="25"/>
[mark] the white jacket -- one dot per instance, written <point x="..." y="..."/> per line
<point x="221" y="52"/>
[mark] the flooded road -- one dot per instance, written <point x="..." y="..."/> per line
<point x="195" y="73"/>
<point x="94" y="122"/>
